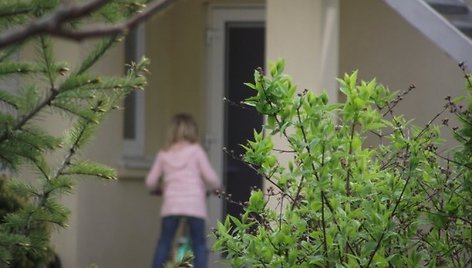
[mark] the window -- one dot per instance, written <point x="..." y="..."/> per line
<point x="133" y="125"/>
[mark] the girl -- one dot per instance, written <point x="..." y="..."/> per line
<point x="180" y="172"/>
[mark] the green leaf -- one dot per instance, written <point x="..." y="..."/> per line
<point x="256" y="201"/>
<point x="250" y="85"/>
<point x="458" y="99"/>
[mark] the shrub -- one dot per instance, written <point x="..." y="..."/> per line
<point x="333" y="201"/>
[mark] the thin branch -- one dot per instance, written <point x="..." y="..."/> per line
<point x="400" y="198"/>
<point x="307" y="148"/>
<point x="267" y="177"/>
<point x="446" y="107"/>
<point x="349" y="170"/>
<point x="241" y="104"/>
<point x="30" y="115"/>
<point x="118" y="28"/>
<point x="396" y="100"/>
<point x="47" y="24"/>
<point x="283" y="151"/>
<point x="4" y="14"/>
<point x="44" y="48"/>
<point x="466" y="74"/>
<point x="53" y="23"/>
<point x="323" y="225"/>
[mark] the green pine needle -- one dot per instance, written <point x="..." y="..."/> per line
<point x="20" y="68"/>
<point x="39" y="139"/>
<point x="21" y="188"/>
<point x="9" y="99"/>
<point x="52" y="212"/>
<point x="9" y="52"/>
<point x="28" y="98"/>
<point x="96" y="54"/>
<point x="58" y="186"/>
<point x="46" y="58"/>
<point x="91" y="169"/>
<point x="75" y="109"/>
<point x="78" y="82"/>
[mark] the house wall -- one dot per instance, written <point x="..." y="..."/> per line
<point x="379" y="43"/>
<point x="305" y="34"/>
<point x="116" y="224"/>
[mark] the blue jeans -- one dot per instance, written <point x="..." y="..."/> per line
<point x="197" y="236"/>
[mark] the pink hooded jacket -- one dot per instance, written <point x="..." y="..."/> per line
<point x="184" y="173"/>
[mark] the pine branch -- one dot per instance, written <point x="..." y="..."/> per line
<point x="30" y="115"/>
<point x="7" y="53"/>
<point x="9" y="99"/>
<point x="14" y="10"/>
<point x="46" y="55"/>
<point x="106" y="30"/>
<point x="97" y="53"/>
<point x="19" y="68"/>
<point x="90" y="169"/>
<point x="53" y="23"/>
<point x="74" y="109"/>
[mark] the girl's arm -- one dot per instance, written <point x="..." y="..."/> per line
<point x="152" y="179"/>
<point x="208" y="173"/>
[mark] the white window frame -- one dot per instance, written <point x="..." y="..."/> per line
<point x="133" y="155"/>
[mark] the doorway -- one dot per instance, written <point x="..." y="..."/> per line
<point x="235" y="47"/>
<point x="244" y="52"/>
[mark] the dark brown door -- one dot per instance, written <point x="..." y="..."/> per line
<point x="244" y="52"/>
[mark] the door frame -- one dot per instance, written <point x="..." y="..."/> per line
<point x="213" y="138"/>
<point x="218" y="16"/>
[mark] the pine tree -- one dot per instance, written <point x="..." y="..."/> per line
<point x="45" y="85"/>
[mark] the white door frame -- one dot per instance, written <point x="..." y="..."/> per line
<point x="218" y="16"/>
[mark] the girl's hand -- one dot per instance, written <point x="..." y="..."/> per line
<point x="157" y="192"/>
<point x="217" y="191"/>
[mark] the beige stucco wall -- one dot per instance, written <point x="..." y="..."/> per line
<point x="117" y="223"/>
<point x="176" y="47"/>
<point x="305" y="34"/>
<point x="379" y="43"/>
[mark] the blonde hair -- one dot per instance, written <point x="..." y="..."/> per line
<point x="183" y="128"/>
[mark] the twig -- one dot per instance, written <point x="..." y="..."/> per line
<point x="396" y="100"/>
<point x="235" y="104"/>
<point x="49" y="23"/>
<point x="379" y="242"/>
<point x="430" y="122"/>
<point x="267" y="177"/>
<point x="53" y="23"/>
<point x="284" y="151"/>
<point x="349" y="171"/>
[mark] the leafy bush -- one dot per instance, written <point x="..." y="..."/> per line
<point x="333" y="201"/>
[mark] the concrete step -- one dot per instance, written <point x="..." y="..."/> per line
<point x="447" y="7"/>
<point x="445" y="22"/>
<point x="464" y="26"/>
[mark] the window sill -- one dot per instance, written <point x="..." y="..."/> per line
<point x="132" y="167"/>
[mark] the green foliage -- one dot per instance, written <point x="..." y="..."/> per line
<point x="10" y="204"/>
<point x="336" y="202"/>
<point x="29" y="206"/>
